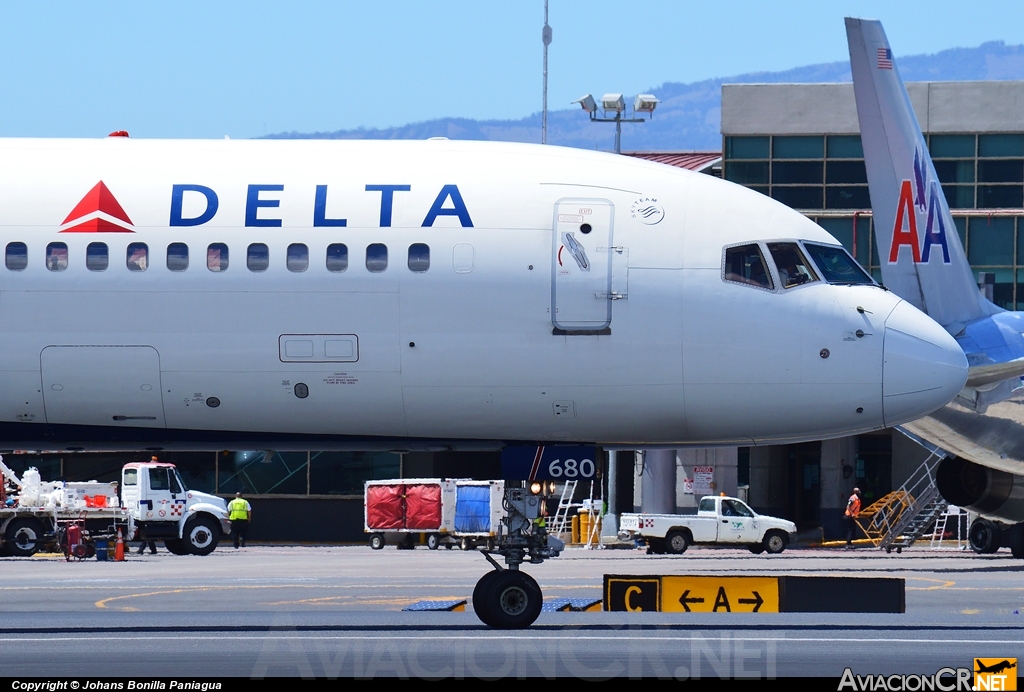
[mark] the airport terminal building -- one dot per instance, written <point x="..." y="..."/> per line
<point x="800" y="144"/>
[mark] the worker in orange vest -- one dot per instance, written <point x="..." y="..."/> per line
<point x="852" y="510"/>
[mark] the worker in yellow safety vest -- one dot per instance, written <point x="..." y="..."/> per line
<point x="239" y="513"/>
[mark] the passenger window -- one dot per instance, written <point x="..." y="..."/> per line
<point x="377" y="257"/>
<point x="793" y="267"/>
<point x="337" y="257"/>
<point x="462" y="258"/>
<point x="137" y="257"/>
<point x="298" y="257"/>
<point x="57" y="257"/>
<point x="177" y="257"/>
<point x="257" y="258"/>
<point x="217" y="257"/>
<point x="419" y="257"/>
<point x="96" y="257"/>
<point x="17" y="256"/>
<point x="745" y="264"/>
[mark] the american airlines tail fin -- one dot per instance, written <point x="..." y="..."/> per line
<point x="922" y="258"/>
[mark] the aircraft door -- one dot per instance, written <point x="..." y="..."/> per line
<point x="102" y="385"/>
<point x="581" y="282"/>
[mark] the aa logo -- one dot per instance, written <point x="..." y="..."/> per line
<point x="995" y="674"/>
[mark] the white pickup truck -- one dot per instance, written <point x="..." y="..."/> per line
<point x="719" y="521"/>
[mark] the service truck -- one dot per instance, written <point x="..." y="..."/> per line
<point x="719" y="520"/>
<point x="152" y="503"/>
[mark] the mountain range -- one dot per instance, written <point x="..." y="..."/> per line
<point x="689" y="115"/>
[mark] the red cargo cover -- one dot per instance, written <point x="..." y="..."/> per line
<point x="423" y="507"/>
<point x="384" y="507"/>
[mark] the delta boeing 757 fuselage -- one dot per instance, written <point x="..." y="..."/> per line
<point x="407" y="295"/>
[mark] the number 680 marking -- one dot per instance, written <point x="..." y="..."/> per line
<point x="570" y="468"/>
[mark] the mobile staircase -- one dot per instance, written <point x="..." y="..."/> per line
<point x="565" y="503"/>
<point x="900" y="518"/>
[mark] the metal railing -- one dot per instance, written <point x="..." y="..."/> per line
<point x="898" y="519"/>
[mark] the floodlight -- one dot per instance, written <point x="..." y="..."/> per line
<point x="588" y="103"/>
<point x="645" y="103"/>
<point x="536" y="488"/>
<point x="613" y="102"/>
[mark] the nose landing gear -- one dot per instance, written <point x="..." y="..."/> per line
<point x="506" y="598"/>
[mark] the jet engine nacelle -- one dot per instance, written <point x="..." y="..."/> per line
<point x="990" y="492"/>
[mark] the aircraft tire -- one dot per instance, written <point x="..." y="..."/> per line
<point x="481" y="596"/>
<point x="176" y="546"/>
<point x="775" y="542"/>
<point x="377" y="541"/>
<point x="23" y="537"/>
<point x="433" y="541"/>
<point x="1015" y="539"/>
<point x="655" y="546"/>
<point x="201" y="535"/>
<point x="984" y="536"/>
<point x="676" y="542"/>
<point x="513" y="600"/>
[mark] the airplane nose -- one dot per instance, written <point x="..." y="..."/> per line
<point x="924" y="367"/>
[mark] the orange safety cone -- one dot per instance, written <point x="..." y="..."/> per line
<point x="119" y="548"/>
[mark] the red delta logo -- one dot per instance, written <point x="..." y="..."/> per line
<point x="98" y="212"/>
<point x="905" y="233"/>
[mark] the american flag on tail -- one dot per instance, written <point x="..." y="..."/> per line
<point x="884" y="59"/>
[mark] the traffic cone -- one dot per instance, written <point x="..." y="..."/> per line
<point x="119" y="548"/>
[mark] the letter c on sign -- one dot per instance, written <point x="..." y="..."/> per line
<point x="628" y="597"/>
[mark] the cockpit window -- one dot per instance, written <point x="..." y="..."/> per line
<point x="836" y="265"/>
<point x="745" y="264"/>
<point x="794" y="269"/>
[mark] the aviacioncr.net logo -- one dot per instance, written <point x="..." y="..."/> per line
<point x="943" y="680"/>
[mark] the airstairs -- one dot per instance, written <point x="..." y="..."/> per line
<point x="561" y="519"/>
<point x="903" y="516"/>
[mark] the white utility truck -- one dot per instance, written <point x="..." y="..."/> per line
<point x="161" y="507"/>
<point x="719" y="521"/>
<point x="153" y="504"/>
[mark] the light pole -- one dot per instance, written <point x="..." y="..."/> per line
<point x="614" y="103"/>
<point x="545" y="37"/>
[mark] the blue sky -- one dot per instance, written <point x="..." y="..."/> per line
<point x="207" y="69"/>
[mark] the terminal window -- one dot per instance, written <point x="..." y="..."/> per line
<point x="801" y="171"/>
